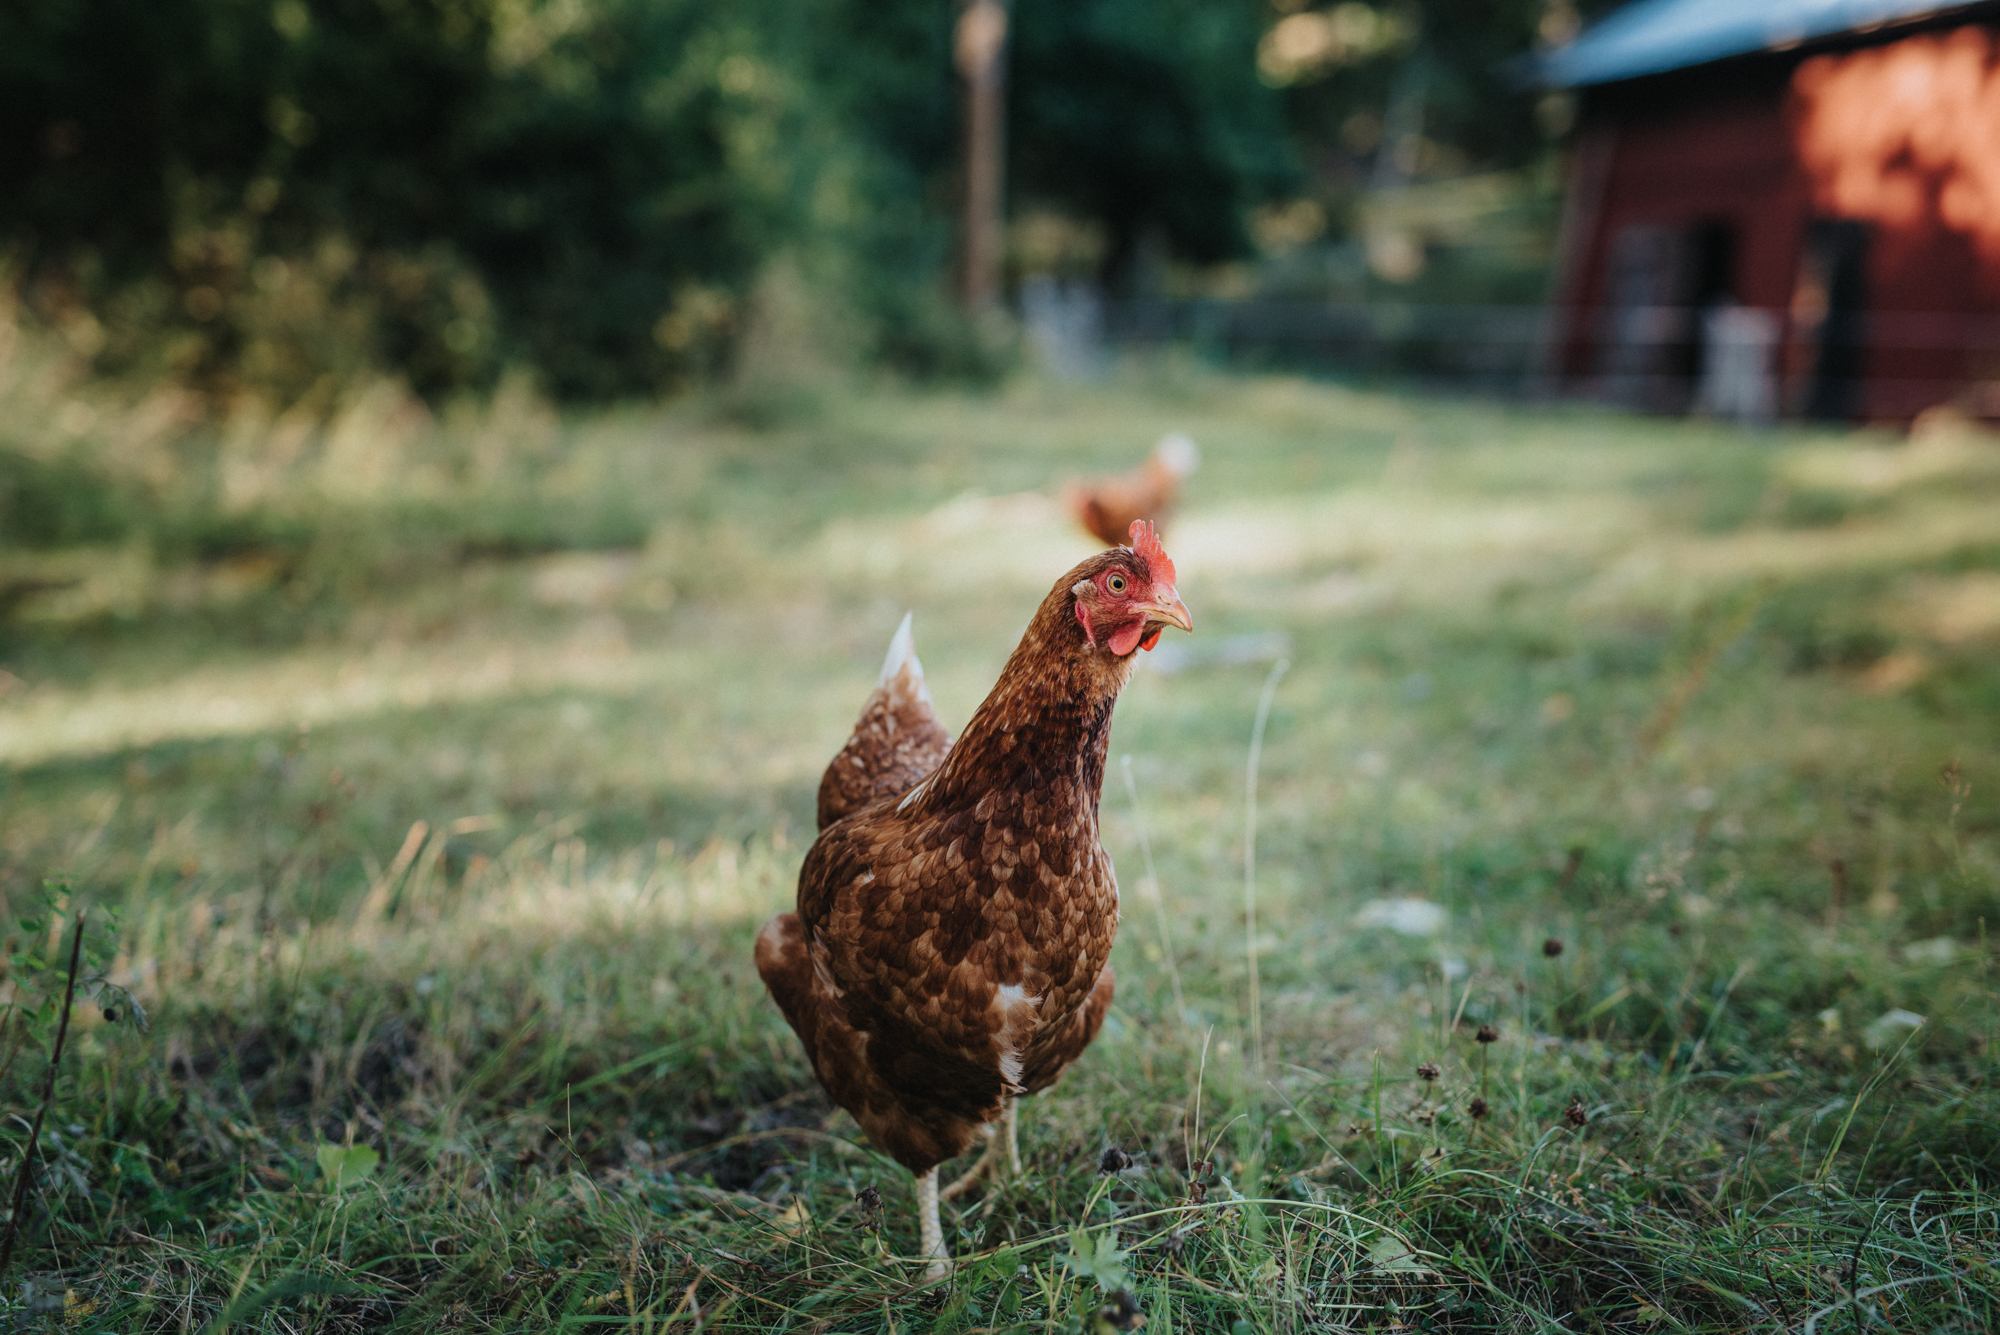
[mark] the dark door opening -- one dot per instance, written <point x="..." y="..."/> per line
<point x="1661" y="279"/>
<point x="1711" y="282"/>
<point x="1829" y="319"/>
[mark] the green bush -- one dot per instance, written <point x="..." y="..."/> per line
<point x="252" y="195"/>
<point x="274" y="195"/>
<point x="58" y="502"/>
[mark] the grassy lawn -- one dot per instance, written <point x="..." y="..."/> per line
<point x="425" y="782"/>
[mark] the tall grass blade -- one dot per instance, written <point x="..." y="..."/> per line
<point x="1250" y="868"/>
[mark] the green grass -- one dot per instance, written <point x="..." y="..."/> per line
<point x="437" y="806"/>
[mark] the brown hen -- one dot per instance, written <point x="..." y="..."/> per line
<point x="950" y="950"/>
<point x="1107" y="507"/>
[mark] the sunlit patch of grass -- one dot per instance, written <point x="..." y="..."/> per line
<point x="1557" y="676"/>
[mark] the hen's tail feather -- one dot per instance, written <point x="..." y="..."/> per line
<point x="902" y="670"/>
<point x="1178" y="454"/>
<point x="897" y="742"/>
<point x="902" y="648"/>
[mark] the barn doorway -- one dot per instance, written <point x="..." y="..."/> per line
<point x="1829" y="320"/>
<point x="1663" y="278"/>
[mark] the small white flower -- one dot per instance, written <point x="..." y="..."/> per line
<point x="1887" y="1030"/>
<point x="1407" y="917"/>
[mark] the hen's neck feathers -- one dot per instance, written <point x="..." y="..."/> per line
<point x="1046" y="719"/>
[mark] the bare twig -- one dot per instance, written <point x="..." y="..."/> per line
<point x="1250" y="865"/>
<point x="25" y="1178"/>
<point x="1571" y="866"/>
<point x="1692" y="678"/>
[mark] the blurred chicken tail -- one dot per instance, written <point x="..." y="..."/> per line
<point x="1178" y="454"/>
<point x="896" y="743"/>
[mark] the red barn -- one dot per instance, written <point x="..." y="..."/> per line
<point x="1784" y="207"/>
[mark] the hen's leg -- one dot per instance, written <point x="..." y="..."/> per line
<point x="999" y="1139"/>
<point x="930" y="1228"/>
<point x="1012" y="1118"/>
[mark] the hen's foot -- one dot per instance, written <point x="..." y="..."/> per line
<point x="990" y="1162"/>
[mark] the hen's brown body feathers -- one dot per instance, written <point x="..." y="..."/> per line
<point x="952" y="938"/>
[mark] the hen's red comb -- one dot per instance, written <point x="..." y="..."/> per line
<point x="1146" y="542"/>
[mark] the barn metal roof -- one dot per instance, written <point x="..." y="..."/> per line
<point x="1654" y="36"/>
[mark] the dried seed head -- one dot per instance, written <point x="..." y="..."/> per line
<point x="1552" y="947"/>
<point x="1115" y="1160"/>
<point x="1478" y="1109"/>
<point x="1122" y="1312"/>
<point x="869" y="1201"/>
<point x="1575" y="1114"/>
<point x="1428" y="1072"/>
<point x="1487" y="1034"/>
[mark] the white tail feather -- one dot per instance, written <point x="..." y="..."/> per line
<point x="902" y="658"/>
<point x="903" y="646"/>
<point x="1180" y="455"/>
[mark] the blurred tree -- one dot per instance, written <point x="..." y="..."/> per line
<point x="1342" y="66"/>
<point x="1147" y="117"/>
<point x="589" y="187"/>
<point x="94" y="117"/>
<point x="980" y="47"/>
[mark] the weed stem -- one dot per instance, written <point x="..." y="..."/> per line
<point x="1250" y="869"/>
<point x="25" y="1178"/>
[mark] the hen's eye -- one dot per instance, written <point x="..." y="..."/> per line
<point x="1117" y="583"/>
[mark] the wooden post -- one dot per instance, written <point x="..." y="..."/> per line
<point x="981" y="46"/>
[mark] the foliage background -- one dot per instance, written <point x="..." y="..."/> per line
<point x="276" y="197"/>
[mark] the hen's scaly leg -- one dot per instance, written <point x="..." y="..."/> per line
<point x="930" y="1228"/>
<point x="1012" y="1118"/>
<point x="998" y="1139"/>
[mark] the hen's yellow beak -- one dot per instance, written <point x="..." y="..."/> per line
<point x="1168" y="609"/>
